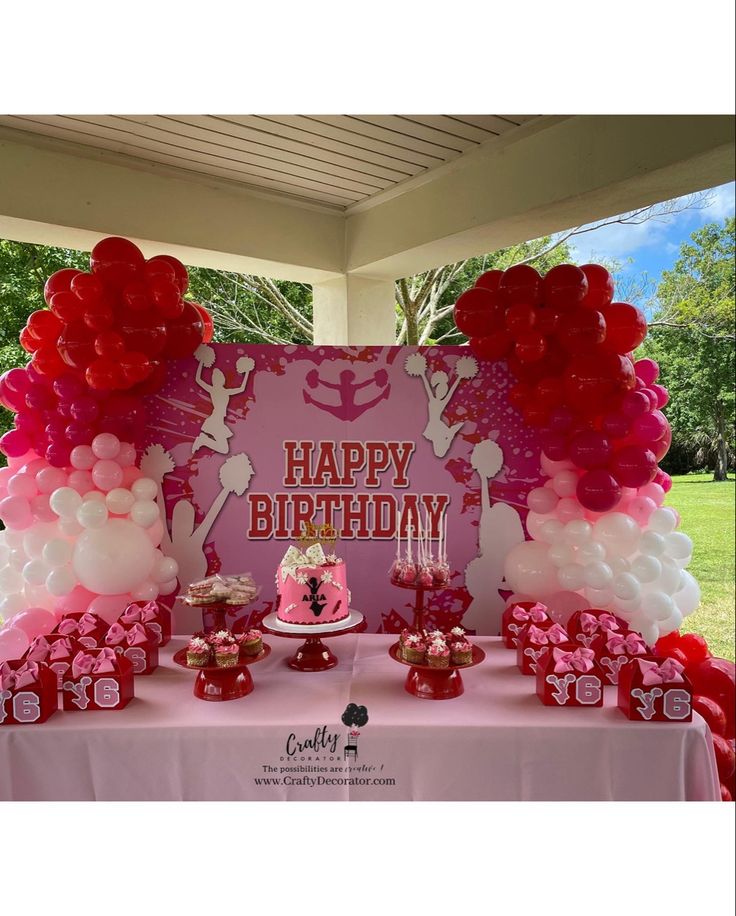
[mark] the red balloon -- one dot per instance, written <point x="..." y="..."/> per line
<point x="634" y="466"/>
<point x="626" y="327"/>
<point x="560" y="419"/>
<point x="594" y="380"/>
<point x="135" y="366"/>
<point x="87" y="288"/>
<point x="76" y="345"/>
<point x="554" y="444"/>
<point x="670" y="641"/>
<point x="581" y="329"/>
<point x="726" y="794"/>
<point x="535" y="415"/>
<point x="649" y="427"/>
<point x="136" y="296"/>
<point x="663" y="395"/>
<point x="520" y="395"/>
<point x="565" y="286"/>
<point x="490" y="279"/>
<point x="184" y="334"/>
<point x="520" y="318"/>
<point x="109" y="343"/>
<point x="521" y="283"/>
<point x="179" y="269"/>
<point x="634" y="404"/>
<point x="67" y="307"/>
<point x="28" y="341"/>
<point x="144" y="332"/>
<point x="165" y="294"/>
<point x="152" y="384"/>
<point x="725" y="757"/>
<point x="530" y="346"/>
<point x="600" y="286"/>
<point x="116" y="261"/>
<point x="549" y="391"/>
<point x="103" y="374"/>
<point x="475" y="312"/>
<point x="598" y="491"/>
<point x="716" y="678"/>
<point x="714" y="716"/>
<point x="548" y="319"/>
<point x="590" y="449"/>
<point x="59" y="282"/>
<point x="661" y="447"/>
<point x="207" y="322"/>
<point x="616" y="425"/>
<point x="98" y="315"/>
<point x="47" y="361"/>
<point x="496" y="346"/>
<point x="160" y="269"/>
<point x="695" y="648"/>
<point x="44" y="325"/>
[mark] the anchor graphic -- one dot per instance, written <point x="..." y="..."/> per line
<point x="347" y="409"/>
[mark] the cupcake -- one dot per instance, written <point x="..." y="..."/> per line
<point x="198" y="652"/>
<point x="461" y="653"/>
<point x="251" y="642"/>
<point x="226" y="655"/>
<point x="438" y="655"/>
<point x="403" y="636"/>
<point x="457" y="634"/>
<point x="414" y="650"/>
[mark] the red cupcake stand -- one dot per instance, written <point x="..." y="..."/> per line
<point x="313" y="654"/>
<point x="219" y="611"/>
<point x="430" y="683"/>
<point x="419" y="592"/>
<point x="217" y="684"/>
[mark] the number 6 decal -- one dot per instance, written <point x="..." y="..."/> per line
<point x="107" y="692"/>
<point x="137" y="657"/>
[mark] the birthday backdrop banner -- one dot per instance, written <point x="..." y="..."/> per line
<point x="249" y="444"/>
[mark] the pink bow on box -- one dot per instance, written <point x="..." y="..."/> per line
<point x="670" y="671"/>
<point x="537" y="613"/>
<point x="38" y="650"/>
<point x="555" y="634"/>
<point x="579" y="660"/>
<point x="631" y="644"/>
<point x="591" y="623"/>
<point x="11" y="679"/>
<point x="87" y="623"/>
<point x="115" y="635"/>
<point x="137" y="635"/>
<point x="61" y="648"/>
<point x="135" y="614"/>
<point x="102" y="663"/>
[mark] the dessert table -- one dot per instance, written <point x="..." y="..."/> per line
<point x="286" y="741"/>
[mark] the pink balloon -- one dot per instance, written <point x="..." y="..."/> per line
<point x="663" y="396"/>
<point x="16" y="512"/>
<point x="109" y="607"/>
<point x="542" y="500"/>
<point x="82" y="457"/>
<point x="640" y="508"/>
<point x="155" y="532"/>
<point x="34" y="622"/>
<point x="76" y="602"/>
<point x="568" y="509"/>
<point x="130" y="475"/>
<point x="634" y="404"/>
<point x="23" y="485"/>
<point x="81" y="481"/>
<point x="13" y="643"/>
<point x="653" y="491"/>
<point x="646" y="370"/>
<point x="42" y="511"/>
<point x="649" y="427"/>
<point x="551" y="468"/>
<point x="127" y="455"/>
<point x="107" y="474"/>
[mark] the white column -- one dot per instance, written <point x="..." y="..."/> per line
<point x="353" y="311"/>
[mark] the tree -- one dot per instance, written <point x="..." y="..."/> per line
<point x="692" y="337"/>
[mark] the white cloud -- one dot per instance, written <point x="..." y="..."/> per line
<point x="723" y="205"/>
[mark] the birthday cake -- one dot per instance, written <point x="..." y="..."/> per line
<point x="312" y="587"/>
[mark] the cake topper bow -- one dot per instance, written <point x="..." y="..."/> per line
<point x="579" y="660"/>
<point x="24" y="676"/>
<point x="294" y="558"/>
<point x="631" y="644"/>
<point x="670" y="671"/>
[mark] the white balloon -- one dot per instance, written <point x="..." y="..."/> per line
<point x="57" y="552"/>
<point x="534" y="522"/>
<point x="626" y="586"/>
<point x="542" y="500"/>
<point x="144" y="512"/>
<point x="577" y="532"/>
<point x="551" y="531"/>
<point x="662" y="521"/>
<point x="599" y="597"/>
<point x="671" y="624"/>
<point x="60" y="582"/>
<point x="565" y="483"/>
<point x="646" y="568"/>
<point x="117" y="558"/>
<point x="70" y="527"/>
<point x="13" y="538"/>
<point x="649" y="632"/>
<point x="598" y="574"/>
<point x="618" y="565"/>
<point x="626" y="607"/>
<point x="92" y="514"/>
<point x="166" y="568"/>
<point x="94" y="496"/>
<point x="678" y="546"/>
<point x="65" y="501"/>
<point x="119" y="501"/>
<point x="618" y="533"/>
<point x="144" y="488"/>
<point x="166" y="588"/>
<point x="656" y="606"/>
<point x="36" y="537"/>
<point x="17" y="558"/>
<point x="12" y="604"/>
<point x="35" y="572"/>
<point x="528" y="569"/>
<point x="670" y="578"/>
<point x="588" y="553"/>
<point x="561" y="554"/>
<point x="10" y="580"/>
<point x="572" y="576"/>
<point x="687" y="598"/>
<point x="652" y="544"/>
<point x="147" y="591"/>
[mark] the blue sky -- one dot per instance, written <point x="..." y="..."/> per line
<point x="652" y="246"/>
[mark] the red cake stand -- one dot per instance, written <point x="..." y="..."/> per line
<point x="429" y="683"/>
<point x="419" y="591"/>
<point x="219" y="612"/>
<point x="313" y="654"/>
<point x="217" y="684"/>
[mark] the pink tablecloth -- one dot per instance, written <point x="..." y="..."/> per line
<point x="496" y="742"/>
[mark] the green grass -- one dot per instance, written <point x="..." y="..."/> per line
<point x="707" y="511"/>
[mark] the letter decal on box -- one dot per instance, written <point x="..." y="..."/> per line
<point x="676" y="704"/>
<point x="588" y="689"/>
<point x="107" y="692"/>
<point x="647" y="710"/>
<point x="137" y="657"/>
<point x="561" y="685"/>
<point x="26" y="707"/>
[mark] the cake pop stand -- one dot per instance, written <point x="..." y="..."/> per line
<point x="430" y="683"/>
<point x="419" y="591"/>
<point x="313" y="654"/>
<point x="217" y="684"/>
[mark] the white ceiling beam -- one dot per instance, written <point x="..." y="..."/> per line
<point x="549" y="175"/>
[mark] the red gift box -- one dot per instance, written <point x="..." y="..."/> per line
<point x="87" y="628"/>
<point x="584" y="626"/>
<point x="534" y="642"/>
<point x="517" y="616"/>
<point x="99" y="679"/>
<point x="137" y="642"/>
<point x="569" y="676"/>
<point x="27" y="692"/>
<point x="655" y="689"/>
<point x="613" y="650"/>
<point x="56" y="651"/>
<point x="153" y="615"/>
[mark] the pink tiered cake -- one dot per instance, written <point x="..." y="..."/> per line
<point x="312" y="588"/>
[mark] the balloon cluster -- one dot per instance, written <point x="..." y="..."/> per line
<point x="85" y="539"/>
<point x="105" y="332"/>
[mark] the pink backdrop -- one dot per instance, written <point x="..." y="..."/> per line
<point x="278" y="406"/>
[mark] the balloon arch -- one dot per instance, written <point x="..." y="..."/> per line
<point x="83" y="528"/>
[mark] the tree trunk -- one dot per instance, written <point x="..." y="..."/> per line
<point x="721" y="470"/>
<point x="412" y="325"/>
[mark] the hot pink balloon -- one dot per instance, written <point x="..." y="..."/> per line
<point x="590" y="449"/>
<point x="14" y="444"/>
<point x="647" y="370"/>
<point x="663" y="479"/>
<point x="13" y="643"/>
<point x="34" y="622"/>
<point x="650" y="427"/>
<point x="634" y="466"/>
<point x="663" y="396"/>
<point x="598" y="490"/>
